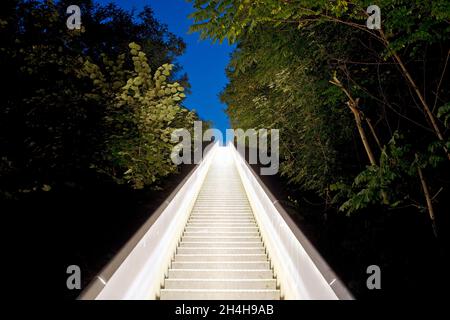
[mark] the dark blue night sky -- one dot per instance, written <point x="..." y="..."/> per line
<point x="203" y="61"/>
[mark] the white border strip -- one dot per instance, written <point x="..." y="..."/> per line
<point x="297" y="275"/>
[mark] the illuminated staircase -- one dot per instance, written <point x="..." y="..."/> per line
<point x="221" y="234"/>
<point x="221" y="254"/>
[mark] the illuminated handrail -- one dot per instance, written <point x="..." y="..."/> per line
<point x="300" y="270"/>
<point x="140" y="272"/>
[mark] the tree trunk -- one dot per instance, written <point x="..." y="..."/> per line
<point x="354" y="108"/>
<point x="353" y="105"/>
<point x="374" y="134"/>
<point x="413" y="84"/>
<point x="427" y="198"/>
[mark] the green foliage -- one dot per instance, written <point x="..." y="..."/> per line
<point x="444" y="114"/>
<point x="80" y="105"/>
<point x="379" y="184"/>
<point x="286" y="53"/>
<point x="435" y="156"/>
<point x="144" y="111"/>
<point x="271" y="86"/>
<point x="405" y="23"/>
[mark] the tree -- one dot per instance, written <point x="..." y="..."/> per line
<point x="56" y="126"/>
<point x="392" y="80"/>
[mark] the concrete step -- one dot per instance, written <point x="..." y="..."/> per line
<point x="224" y="201"/>
<point x="214" y="198"/>
<point x="219" y="239"/>
<point x="229" y="220"/>
<point x="212" y="207"/>
<point x="221" y="192"/>
<point x="221" y="234"/>
<point x="207" y="265"/>
<point x="239" y="284"/>
<point x="218" y="196"/>
<point x="221" y="224"/>
<point x="222" y="205"/>
<point x="223" y="211"/>
<point x="223" y="227"/>
<point x="217" y="200"/>
<point x="210" y="228"/>
<point x="212" y="294"/>
<point x="222" y="250"/>
<point x="220" y="215"/>
<point x="224" y="217"/>
<point x="223" y="220"/>
<point x="220" y="257"/>
<point x="198" y="244"/>
<point x="219" y="274"/>
<point x="214" y="186"/>
<point x="208" y="200"/>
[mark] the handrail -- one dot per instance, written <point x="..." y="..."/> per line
<point x="139" y="269"/>
<point x="300" y="270"/>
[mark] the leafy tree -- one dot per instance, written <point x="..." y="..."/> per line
<point x="57" y="127"/>
<point x="306" y="67"/>
<point x="139" y="122"/>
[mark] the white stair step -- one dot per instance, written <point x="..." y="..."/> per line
<point x="233" y="220"/>
<point x="223" y="205"/>
<point x="222" y="210"/>
<point x="224" y="227"/>
<point x="222" y="202"/>
<point x="220" y="257"/>
<point x="223" y="217"/>
<point x="221" y="224"/>
<point x="223" y="196"/>
<point x="217" y="218"/>
<point x="239" y="201"/>
<point x="196" y="244"/>
<point x="218" y="215"/>
<point x="213" y="222"/>
<point x="203" y="294"/>
<point x="219" y="274"/>
<point x="219" y="239"/>
<point x="221" y="234"/>
<point x="223" y="214"/>
<point x="227" y="225"/>
<point x="209" y="228"/>
<point x="213" y="208"/>
<point x="246" y="284"/>
<point x="226" y="194"/>
<point x="247" y="265"/>
<point x="222" y="250"/>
